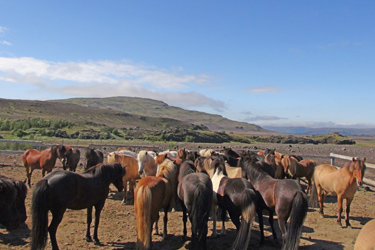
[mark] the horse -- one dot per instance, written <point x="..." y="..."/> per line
<point x="297" y="169"/>
<point x="71" y="159"/>
<point x="45" y="160"/>
<point x="254" y="159"/>
<point x="151" y="194"/>
<point x="343" y="182"/>
<point x="206" y="152"/>
<point x="146" y="164"/>
<point x="365" y="239"/>
<point x="61" y="190"/>
<point x="285" y="197"/>
<point x="93" y="157"/>
<point x="229" y="152"/>
<point x="131" y="175"/>
<point x="12" y="202"/>
<point x="195" y="194"/>
<point x="276" y="165"/>
<point x="238" y="197"/>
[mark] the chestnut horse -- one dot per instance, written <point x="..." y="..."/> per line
<point x="146" y="164"/>
<point x="151" y="194"/>
<point x="343" y="182"/>
<point x="131" y="175"/>
<point x="285" y="197"/>
<point x="63" y="190"/>
<point x="195" y="194"/>
<point x="45" y="160"/>
<point x="71" y="159"/>
<point x="366" y="239"/>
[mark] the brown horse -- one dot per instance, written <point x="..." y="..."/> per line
<point x="146" y="164"/>
<point x="298" y="169"/>
<point x="152" y="193"/>
<point x="276" y="165"/>
<point x="45" y="160"/>
<point x="343" y="182"/>
<point x="366" y="239"/>
<point x="131" y="175"/>
<point x="71" y="159"/>
<point x="93" y="157"/>
<point x="285" y="197"/>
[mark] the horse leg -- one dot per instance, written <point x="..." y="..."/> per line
<point x="165" y="219"/>
<point x="261" y="225"/>
<point x="131" y="189"/>
<point x="348" y="202"/>
<point x="214" y="218"/>
<point x="223" y="217"/>
<point x="98" y="210"/>
<point x="125" y="191"/>
<point x="156" y="232"/>
<point x="88" y="221"/>
<point x="28" y="176"/>
<point x="282" y="225"/>
<point x="270" y="220"/>
<point x="321" y="198"/>
<point x="339" y="202"/>
<point x="184" y="218"/>
<point x="57" y="215"/>
<point x="43" y="172"/>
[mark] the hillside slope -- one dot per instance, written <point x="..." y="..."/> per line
<point x="154" y="108"/>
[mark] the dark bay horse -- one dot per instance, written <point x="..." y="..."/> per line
<point x="71" y="159"/>
<point x="61" y="190"/>
<point x="343" y="182"/>
<point x="12" y="202"/>
<point x="45" y="160"/>
<point x="238" y="197"/>
<point x="285" y="197"/>
<point x="195" y="193"/>
<point x="151" y="194"/>
<point x="93" y="157"/>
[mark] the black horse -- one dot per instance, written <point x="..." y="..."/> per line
<point x="93" y="157"/>
<point x="12" y="202"/>
<point x="238" y="197"/>
<point x="285" y="197"/>
<point x="60" y="190"/>
<point x="195" y="193"/>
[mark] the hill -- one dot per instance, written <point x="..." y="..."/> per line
<point x="154" y="108"/>
<point x="319" y="131"/>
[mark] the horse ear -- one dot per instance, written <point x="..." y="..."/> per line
<point x="353" y="159"/>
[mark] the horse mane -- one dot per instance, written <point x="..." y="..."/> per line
<point x="106" y="172"/>
<point x="142" y="155"/>
<point x="351" y="165"/>
<point x="166" y="171"/>
<point x="187" y="167"/>
<point x="248" y="164"/>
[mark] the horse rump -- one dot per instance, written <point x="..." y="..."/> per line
<point x="142" y="206"/>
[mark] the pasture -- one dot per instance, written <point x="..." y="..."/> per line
<point x="118" y="223"/>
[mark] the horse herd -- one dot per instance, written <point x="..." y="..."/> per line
<point x="204" y="184"/>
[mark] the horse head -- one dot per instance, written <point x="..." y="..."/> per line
<point x="121" y="171"/>
<point x="142" y="157"/>
<point x="61" y="151"/>
<point x="359" y="170"/>
<point x="218" y="164"/>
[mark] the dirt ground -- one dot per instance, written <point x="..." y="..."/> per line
<point x="117" y="228"/>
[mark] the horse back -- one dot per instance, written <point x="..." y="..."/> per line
<point x="160" y="188"/>
<point x="130" y="164"/>
<point x="31" y="157"/>
<point x="366" y="239"/>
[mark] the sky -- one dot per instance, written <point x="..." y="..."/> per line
<point x="281" y="63"/>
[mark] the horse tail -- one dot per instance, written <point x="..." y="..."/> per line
<point x="199" y="216"/>
<point x="39" y="210"/>
<point x="143" y="214"/>
<point x="248" y="213"/>
<point x="313" y="200"/>
<point x="297" y="217"/>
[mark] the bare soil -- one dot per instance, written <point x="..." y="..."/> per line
<point x="117" y="228"/>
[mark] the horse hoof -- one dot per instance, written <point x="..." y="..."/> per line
<point x="88" y="239"/>
<point x="96" y="242"/>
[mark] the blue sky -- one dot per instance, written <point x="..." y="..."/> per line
<point x="309" y="63"/>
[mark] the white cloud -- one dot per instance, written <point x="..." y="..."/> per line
<point x="108" y="78"/>
<point x="5" y="43"/>
<point x="264" y="118"/>
<point x="267" y="89"/>
<point x="3" y="29"/>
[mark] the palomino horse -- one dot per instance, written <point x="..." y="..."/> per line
<point x="146" y="164"/>
<point x="12" y="202"/>
<point x="151" y="194"/>
<point x="366" y="239"/>
<point x="71" y="159"/>
<point x="45" y="160"/>
<point x="343" y="182"/>
<point x="237" y="196"/>
<point x="131" y="175"/>
<point x="93" y="157"/>
<point x="285" y="197"/>
<point x="276" y="165"/>
<point x="61" y="190"/>
<point x="195" y="193"/>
